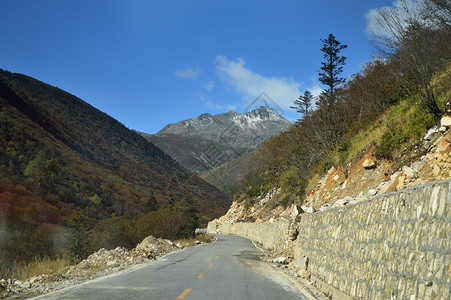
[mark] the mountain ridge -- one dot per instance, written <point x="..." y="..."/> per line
<point x="208" y="141"/>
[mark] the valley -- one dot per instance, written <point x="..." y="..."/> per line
<point x="74" y="180"/>
<point x="199" y="150"/>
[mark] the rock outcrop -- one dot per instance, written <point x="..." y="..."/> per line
<point x="364" y="178"/>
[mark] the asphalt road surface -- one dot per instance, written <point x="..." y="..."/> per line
<point x="226" y="269"/>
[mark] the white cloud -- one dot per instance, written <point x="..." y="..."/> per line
<point x="400" y="11"/>
<point x="316" y="90"/>
<point x="210" y="85"/>
<point x="283" y="91"/>
<point x="371" y="23"/>
<point x="188" y="73"/>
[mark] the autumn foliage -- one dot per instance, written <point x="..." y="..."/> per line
<point x="73" y="179"/>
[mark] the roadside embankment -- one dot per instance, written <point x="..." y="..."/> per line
<point x="394" y="245"/>
<point x="101" y="263"/>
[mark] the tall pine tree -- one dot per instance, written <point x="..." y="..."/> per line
<point x="332" y="66"/>
<point x="303" y="103"/>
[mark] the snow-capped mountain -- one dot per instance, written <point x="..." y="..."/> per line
<point x="207" y="141"/>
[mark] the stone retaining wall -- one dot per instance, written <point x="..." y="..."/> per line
<point x="396" y="245"/>
<point x="272" y="236"/>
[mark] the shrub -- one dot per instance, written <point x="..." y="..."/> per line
<point x="390" y="142"/>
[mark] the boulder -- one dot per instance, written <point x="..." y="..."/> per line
<point x="369" y="164"/>
<point x="310" y="210"/>
<point x="148" y="243"/>
<point x="302" y="262"/>
<point x="436" y="170"/>
<point x="83" y="264"/>
<point x="446" y="121"/>
<point x="372" y="192"/>
<point x="296" y="210"/>
<point x="18" y="283"/>
<point x="280" y="260"/>
<point x="341" y="202"/>
<point x="325" y="207"/>
<point x="432" y="134"/>
<point x="156" y="246"/>
<point x="111" y="263"/>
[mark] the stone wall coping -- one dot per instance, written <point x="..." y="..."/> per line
<point x="409" y="188"/>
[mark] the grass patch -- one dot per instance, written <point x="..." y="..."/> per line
<point x="201" y="237"/>
<point x="38" y="266"/>
<point x="407" y="126"/>
<point x="313" y="182"/>
<point x="397" y="128"/>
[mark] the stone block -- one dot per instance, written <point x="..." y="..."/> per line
<point x="446" y="121"/>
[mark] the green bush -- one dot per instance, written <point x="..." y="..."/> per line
<point x="343" y="151"/>
<point x="390" y="142"/>
<point x="290" y="179"/>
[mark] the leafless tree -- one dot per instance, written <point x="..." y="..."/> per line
<point x="416" y="34"/>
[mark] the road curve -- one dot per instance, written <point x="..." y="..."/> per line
<point x="226" y="269"/>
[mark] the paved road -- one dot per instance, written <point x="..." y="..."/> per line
<point x="226" y="269"/>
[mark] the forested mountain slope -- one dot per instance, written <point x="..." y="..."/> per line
<point x="74" y="178"/>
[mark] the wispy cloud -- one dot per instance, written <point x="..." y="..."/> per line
<point x="315" y="88"/>
<point x="210" y="85"/>
<point x="250" y="84"/>
<point x="216" y="106"/>
<point x="188" y="73"/>
<point x="220" y="107"/>
<point x="400" y="10"/>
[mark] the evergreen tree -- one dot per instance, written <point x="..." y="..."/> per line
<point x="151" y="203"/>
<point x="332" y="66"/>
<point x="303" y="103"/>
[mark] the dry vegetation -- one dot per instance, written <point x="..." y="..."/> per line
<point x="389" y="104"/>
<point x="189" y="242"/>
<point x="37" y="266"/>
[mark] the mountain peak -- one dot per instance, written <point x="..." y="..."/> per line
<point x="204" y="116"/>
<point x="266" y="111"/>
<point x="259" y="118"/>
<point x="206" y="141"/>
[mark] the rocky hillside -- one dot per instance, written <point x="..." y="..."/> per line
<point x="362" y="179"/>
<point x="208" y="141"/>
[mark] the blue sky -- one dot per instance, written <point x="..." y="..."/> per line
<point x="149" y="63"/>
